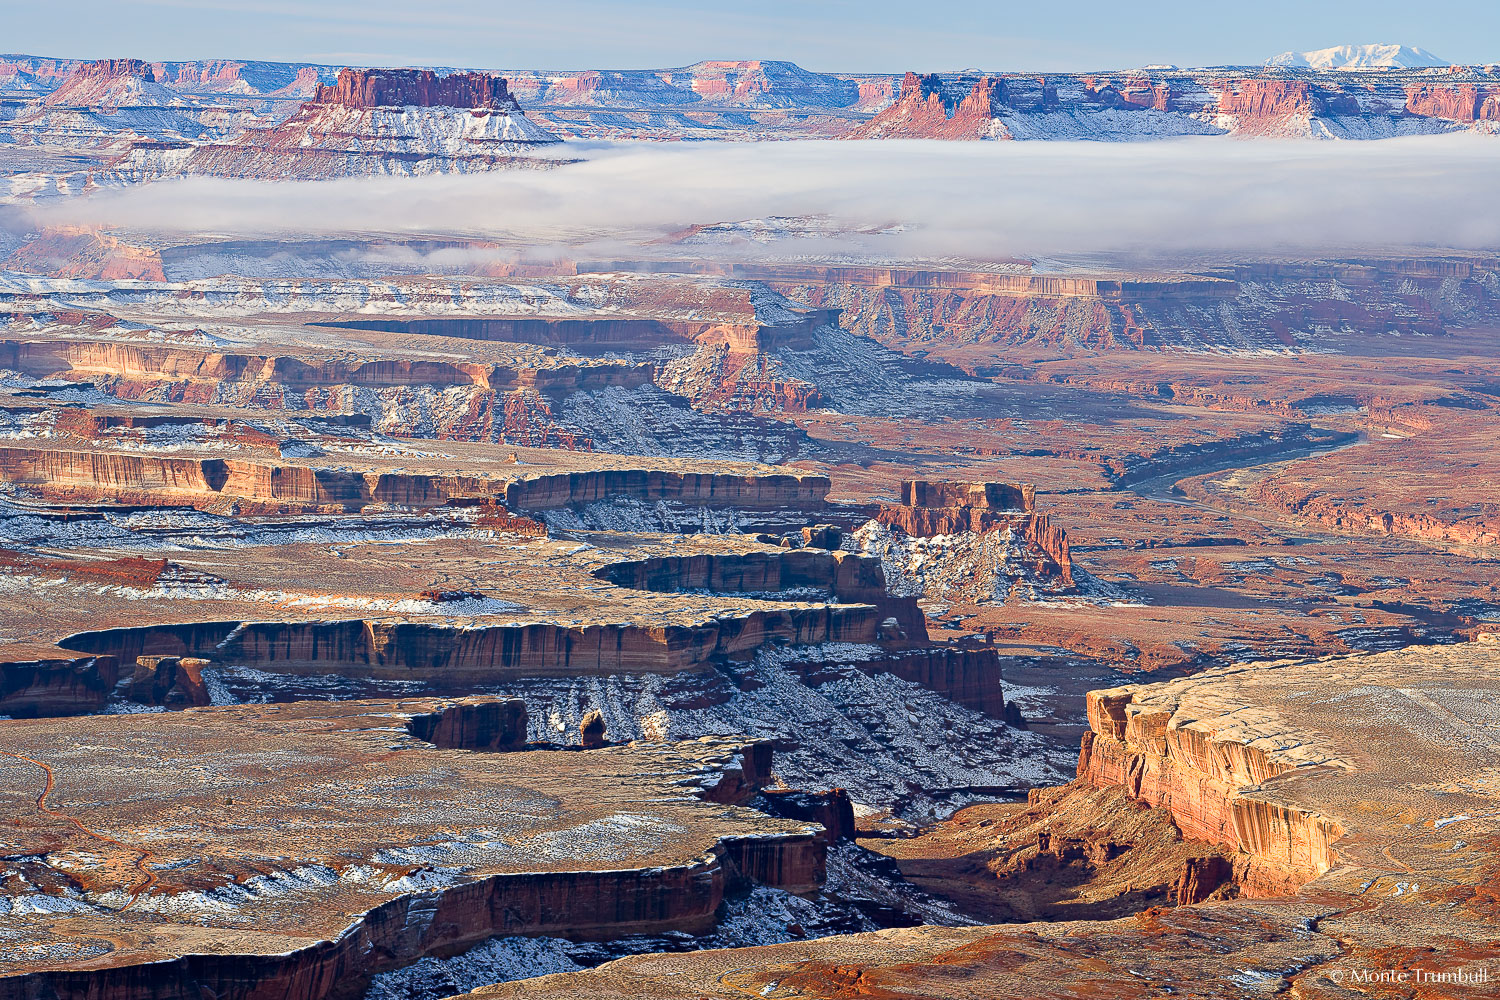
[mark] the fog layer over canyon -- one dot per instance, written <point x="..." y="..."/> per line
<point x="894" y="197"/>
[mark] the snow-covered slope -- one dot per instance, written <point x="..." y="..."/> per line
<point x="1374" y="56"/>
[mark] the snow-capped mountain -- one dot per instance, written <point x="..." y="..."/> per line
<point x="1375" y="56"/>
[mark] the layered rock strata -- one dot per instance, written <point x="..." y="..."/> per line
<point x="454" y="657"/>
<point x="51" y="687"/>
<point x="1242" y="307"/>
<point x="1144" y="104"/>
<point x="801" y="574"/>
<point x="936" y="510"/>
<point x="388" y="88"/>
<point x="81" y="475"/>
<point x="371" y="122"/>
<point x="408" y="849"/>
<point x="1353" y="793"/>
<point x="926" y="109"/>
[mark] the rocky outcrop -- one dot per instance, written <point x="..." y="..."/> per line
<point x="591" y="732"/>
<point x="1206" y="781"/>
<point x="369" y="123"/>
<point x="52" y="687"/>
<point x="1466" y="102"/>
<point x="619" y="841"/>
<point x="928" y="510"/>
<point x="494" y="517"/>
<point x="420" y="88"/>
<point x="926" y="108"/>
<point x="1268" y="98"/>
<point x="1155" y="103"/>
<point x="453" y="660"/>
<point x="833" y="810"/>
<point x="474" y="724"/>
<point x="169" y="681"/>
<point x="93" y="82"/>
<point x="549" y="492"/>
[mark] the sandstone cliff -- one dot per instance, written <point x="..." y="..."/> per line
<point x="1243" y="307"/>
<point x="1150" y="104"/>
<point x="966" y="541"/>
<point x="611" y="842"/>
<point x="389" y="88"/>
<point x="371" y="122"/>
<point x="927" y="109"/>
<point x="1205" y="773"/>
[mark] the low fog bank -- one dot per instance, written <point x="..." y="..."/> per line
<point x="915" y="199"/>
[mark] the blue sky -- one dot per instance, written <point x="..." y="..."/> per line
<point x="848" y="35"/>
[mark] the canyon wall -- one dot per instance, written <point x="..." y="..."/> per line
<point x="473" y="724"/>
<point x="78" y="475"/>
<point x="1242" y="307"/>
<point x="1146" y="104"/>
<point x="851" y="578"/>
<point x="52" y="687"/>
<point x="185" y="374"/>
<point x="90" y="475"/>
<point x="453" y="659"/>
<point x="1315" y="502"/>
<point x="1207" y="781"/>
<point x="548" y="492"/>
<point x="376" y="88"/>
<point x="931" y="509"/>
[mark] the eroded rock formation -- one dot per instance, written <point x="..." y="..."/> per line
<point x="370" y="122"/>
<point x="472" y="724"/>
<point x="420" y="88"/>
<point x="927" y="109"/>
<point x="1341" y="789"/>
<point x="460" y="658"/>
<point x="418" y="849"/>
<point x="969" y="541"/>
<point x="1244" y="307"/>
<point x="1156" y="103"/>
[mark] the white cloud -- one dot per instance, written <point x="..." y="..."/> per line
<point x="990" y="199"/>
